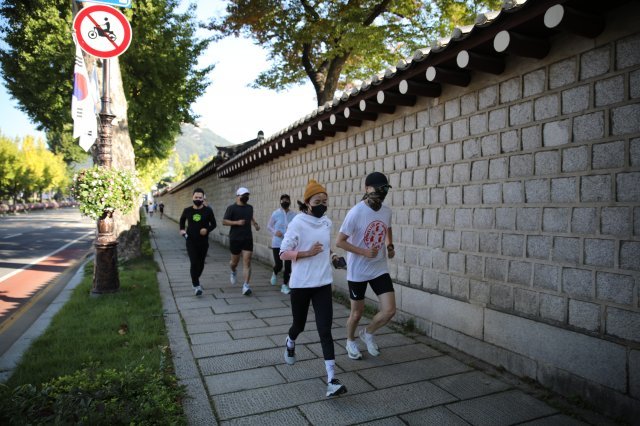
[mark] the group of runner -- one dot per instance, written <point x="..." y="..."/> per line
<point x="301" y="245"/>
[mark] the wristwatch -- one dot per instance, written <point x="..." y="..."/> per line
<point x="391" y="247"/>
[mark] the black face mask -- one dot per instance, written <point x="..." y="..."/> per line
<point x="244" y="199"/>
<point x="285" y="204"/>
<point x="376" y="198"/>
<point x="319" y="210"/>
<point x="198" y="202"/>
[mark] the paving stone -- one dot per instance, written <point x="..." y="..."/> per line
<point x="204" y="338"/>
<point x="352" y="409"/>
<point x="197" y="403"/>
<point x="285" y="417"/>
<point x="230" y="347"/>
<point x="249" y="323"/>
<point x="253" y="401"/>
<point x="505" y="408"/>
<point x="243" y="380"/>
<point x="433" y="416"/>
<point x="248" y="360"/>
<point x="389" y="421"/>
<point x="557" y="420"/>
<point x="394" y="355"/>
<point x="254" y="332"/>
<point x="470" y="385"/>
<point x="413" y="371"/>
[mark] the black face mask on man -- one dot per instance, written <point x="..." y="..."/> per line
<point x="198" y="202"/>
<point x="376" y="198"/>
<point x="244" y="198"/>
<point x="285" y="204"/>
<point x="319" y="210"/>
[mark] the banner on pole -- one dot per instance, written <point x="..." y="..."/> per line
<point x="85" y="125"/>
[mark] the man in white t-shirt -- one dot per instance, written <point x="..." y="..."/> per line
<point x="366" y="236"/>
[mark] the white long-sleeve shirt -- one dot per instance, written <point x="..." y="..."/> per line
<point x="303" y="232"/>
<point x="279" y="221"/>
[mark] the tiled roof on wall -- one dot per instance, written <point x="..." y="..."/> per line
<point x="523" y="28"/>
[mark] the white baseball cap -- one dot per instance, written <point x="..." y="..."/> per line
<point x="242" y="190"/>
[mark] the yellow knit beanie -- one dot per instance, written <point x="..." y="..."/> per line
<point x="312" y="189"/>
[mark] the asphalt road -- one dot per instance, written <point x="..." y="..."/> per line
<point x="39" y="251"/>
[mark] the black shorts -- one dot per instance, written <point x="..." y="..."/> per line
<point x="238" y="246"/>
<point x="379" y="285"/>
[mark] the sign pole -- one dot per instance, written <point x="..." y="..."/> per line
<point x="105" y="271"/>
<point x="104" y="32"/>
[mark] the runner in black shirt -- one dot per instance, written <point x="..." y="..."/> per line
<point x="239" y="216"/>
<point x="201" y="222"/>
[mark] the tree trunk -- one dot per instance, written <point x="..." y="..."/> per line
<point x="331" y="79"/>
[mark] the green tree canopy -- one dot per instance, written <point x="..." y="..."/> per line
<point x="159" y="71"/>
<point x="336" y="42"/>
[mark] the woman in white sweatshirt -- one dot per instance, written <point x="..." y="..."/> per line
<point x="307" y="244"/>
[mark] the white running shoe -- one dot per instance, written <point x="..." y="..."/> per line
<point x="285" y="289"/>
<point x="274" y="278"/>
<point x="197" y="290"/>
<point x="335" y="388"/>
<point x="232" y="278"/>
<point x="367" y="338"/>
<point x="246" y="290"/>
<point x="289" y="355"/>
<point x="352" y="350"/>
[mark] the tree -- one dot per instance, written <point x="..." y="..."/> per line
<point x="336" y="42"/>
<point x="10" y="167"/>
<point x="28" y="168"/>
<point x="159" y="73"/>
<point x="193" y="165"/>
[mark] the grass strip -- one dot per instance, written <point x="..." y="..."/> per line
<point x="120" y="332"/>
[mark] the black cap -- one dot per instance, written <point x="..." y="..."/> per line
<point x="376" y="179"/>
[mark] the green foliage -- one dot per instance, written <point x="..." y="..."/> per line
<point x="98" y="189"/>
<point x="336" y="42"/>
<point x="160" y="76"/>
<point x="103" y="360"/>
<point x="27" y="167"/>
<point x="95" y="396"/>
<point x="159" y="71"/>
<point x="193" y="165"/>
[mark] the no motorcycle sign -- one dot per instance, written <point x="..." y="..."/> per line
<point x="102" y="31"/>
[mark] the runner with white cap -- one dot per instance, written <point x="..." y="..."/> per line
<point x="239" y="216"/>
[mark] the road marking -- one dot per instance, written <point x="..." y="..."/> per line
<point x="17" y="271"/>
<point x="11" y="236"/>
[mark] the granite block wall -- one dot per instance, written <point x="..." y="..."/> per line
<point x="516" y="207"/>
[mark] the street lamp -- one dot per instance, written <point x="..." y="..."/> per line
<point x="105" y="271"/>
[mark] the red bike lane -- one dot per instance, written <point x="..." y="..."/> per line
<point x="24" y="287"/>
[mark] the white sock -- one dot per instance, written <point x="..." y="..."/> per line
<point x="290" y="343"/>
<point x="330" y="365"/>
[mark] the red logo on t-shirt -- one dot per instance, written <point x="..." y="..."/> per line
<point x="374" y="235"/>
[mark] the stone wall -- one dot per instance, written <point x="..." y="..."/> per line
<point x="516" y="207"/>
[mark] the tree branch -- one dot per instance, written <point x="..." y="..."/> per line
<point x="375" y="12"/>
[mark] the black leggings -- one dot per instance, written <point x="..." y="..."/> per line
<point x="323" y="307"/>
<point x="197" y="253"/>
<point x="278" y="265"/>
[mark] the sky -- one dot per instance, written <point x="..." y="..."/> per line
<point x="228" y="107"/>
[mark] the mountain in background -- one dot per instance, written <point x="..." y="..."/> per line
<point x="198" y="140"/>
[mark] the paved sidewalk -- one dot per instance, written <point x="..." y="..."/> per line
<point x="228" y="350"/>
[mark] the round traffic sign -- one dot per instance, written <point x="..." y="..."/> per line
<point x="102" y="31"/>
